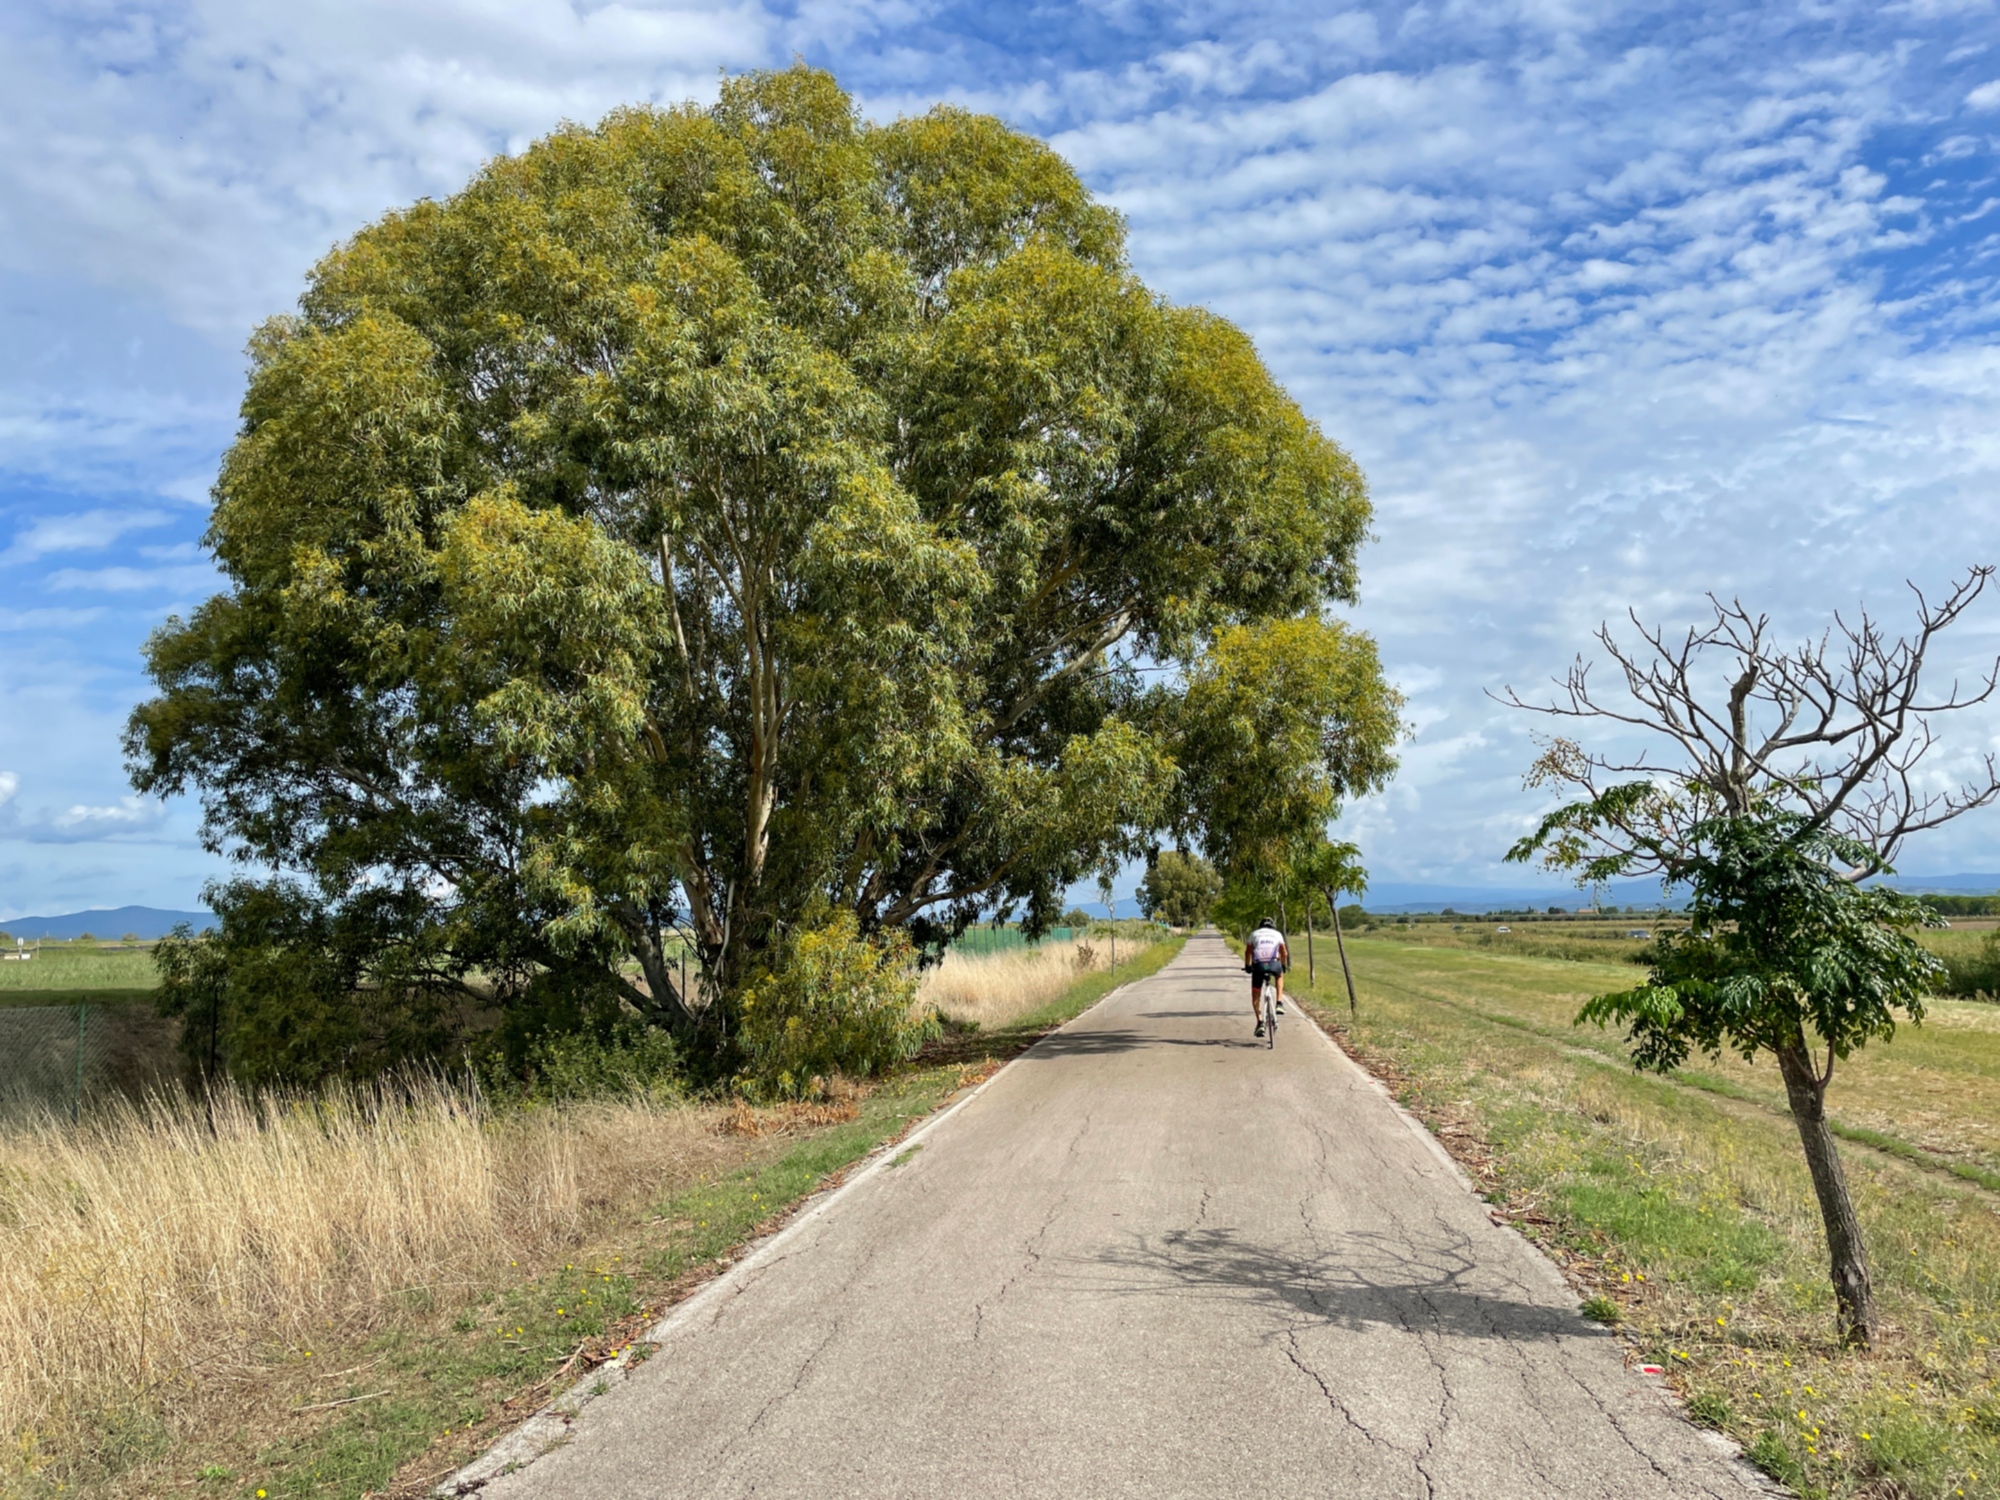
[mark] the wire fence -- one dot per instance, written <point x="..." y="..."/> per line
<point x="978" y="941"/>
<point x="60" y="1061"/>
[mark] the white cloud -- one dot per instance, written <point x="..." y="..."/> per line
<point x="83" y="823"/>
<point x="10" y="783"/>
<point x="130" y="812"/>
<point x="191" y="578"/>
<point x="202" y="152"/>
<point x="84" y="531"/>
<point x="1985" y="97"/>
<point x="193" y="488"/>
<point x="53" y="621"/>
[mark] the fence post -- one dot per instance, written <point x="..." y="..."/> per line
<point x="76" y="1097"/>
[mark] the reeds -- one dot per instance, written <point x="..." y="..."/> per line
<point x="154" y="1258"/>
<point x="997" y="989"/>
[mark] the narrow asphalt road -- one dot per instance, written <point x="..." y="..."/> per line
<point x="1150" y="1258"/>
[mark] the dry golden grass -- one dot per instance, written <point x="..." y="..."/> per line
<point x="997" y="989"/>
<point x="151" y="1263"/>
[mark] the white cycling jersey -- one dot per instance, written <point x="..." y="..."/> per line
<point x="1266" y="948"/>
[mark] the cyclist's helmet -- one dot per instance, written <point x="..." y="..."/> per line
<point x="1268" y="922"/>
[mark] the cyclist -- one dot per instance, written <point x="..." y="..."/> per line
<point x="1265" y="959"/>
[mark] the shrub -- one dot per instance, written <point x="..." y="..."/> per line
<point x="284" y="992"/>
<point x="1973" y="974"/>
<point x="839" y="1003"/>
<point x="635" y="1061"/>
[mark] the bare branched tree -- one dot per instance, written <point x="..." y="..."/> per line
<point x="1793" y="775"/>
<point x="1836" y="727"/>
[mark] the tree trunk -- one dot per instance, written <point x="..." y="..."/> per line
<point x="1353" y="1006"/>
<point x="671" y="1007"/>
<point x="1312" y="975"/>
<point x="1853" y="1296"/>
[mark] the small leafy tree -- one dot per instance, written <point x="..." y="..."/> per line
<point x="1329" y="870"/>
<point x="1179" y="889"/>
<point x="1794" y="779"/>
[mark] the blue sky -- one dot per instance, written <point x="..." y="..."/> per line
<point x="1616" y="304"/>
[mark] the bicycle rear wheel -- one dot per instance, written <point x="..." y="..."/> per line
<point x="1270" y="1016"/>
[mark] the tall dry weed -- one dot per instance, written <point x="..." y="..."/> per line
<point x="997" y="989"/>
<point x="154" y="1258"/>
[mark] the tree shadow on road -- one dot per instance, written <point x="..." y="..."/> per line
<point x="1372" y="1281"/>
<point x="1236" y="1013"/>
<point x="1097" y="1043"/>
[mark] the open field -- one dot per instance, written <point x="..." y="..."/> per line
<point x="128" y="1048"/>
<point x="1974" y="968"/>
<point x="65" y="975"/>
<point x="1935" y="1088"/>
<point x="332" y="1297"/>
<point x="1686" y="1208"/>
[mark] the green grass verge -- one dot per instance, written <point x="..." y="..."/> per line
<point x="129" y="972"/>
<point x="425" y="1401"/>
<point x="1606" y="1045"/>
<point x="1682" y="1211"/>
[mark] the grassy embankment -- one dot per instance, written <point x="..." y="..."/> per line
<point x="1683" y="1210"/>
<point x="322" y="1298"/>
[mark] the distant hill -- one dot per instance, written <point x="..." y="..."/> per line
<point x="1947" y="885"/>
<point x="145" y="921"/>
<point x="1393" y="897"/>
<point x="1396" y="897"/>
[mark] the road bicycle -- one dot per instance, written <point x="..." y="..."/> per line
<point x="1267" y="997"/>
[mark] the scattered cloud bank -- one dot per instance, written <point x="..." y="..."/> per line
<point x="84" y="531"/>
<point x="1617" y="304"/>
<point x="78" y="823"/>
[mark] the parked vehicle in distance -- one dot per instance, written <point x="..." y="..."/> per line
<point x="1639" y="932"/>
<point x="1502" y="931"/>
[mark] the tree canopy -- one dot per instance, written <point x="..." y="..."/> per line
<point x="1778" y="948"/>
<point x="727" y="517"/>
<point x="1179" y="888"/>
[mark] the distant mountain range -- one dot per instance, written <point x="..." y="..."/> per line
<point x="142" y="921"/>
<point x="1389" y="897"/>
<point x="1392" y="897"/>
<point x="1946" y="885"/>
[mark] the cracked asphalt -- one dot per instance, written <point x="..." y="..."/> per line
<point x="1150" y="1258"/>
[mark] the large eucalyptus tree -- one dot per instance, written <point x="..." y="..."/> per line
<point x="724" y="516"/>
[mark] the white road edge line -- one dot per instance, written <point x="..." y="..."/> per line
<point x="550" y="1425"/>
